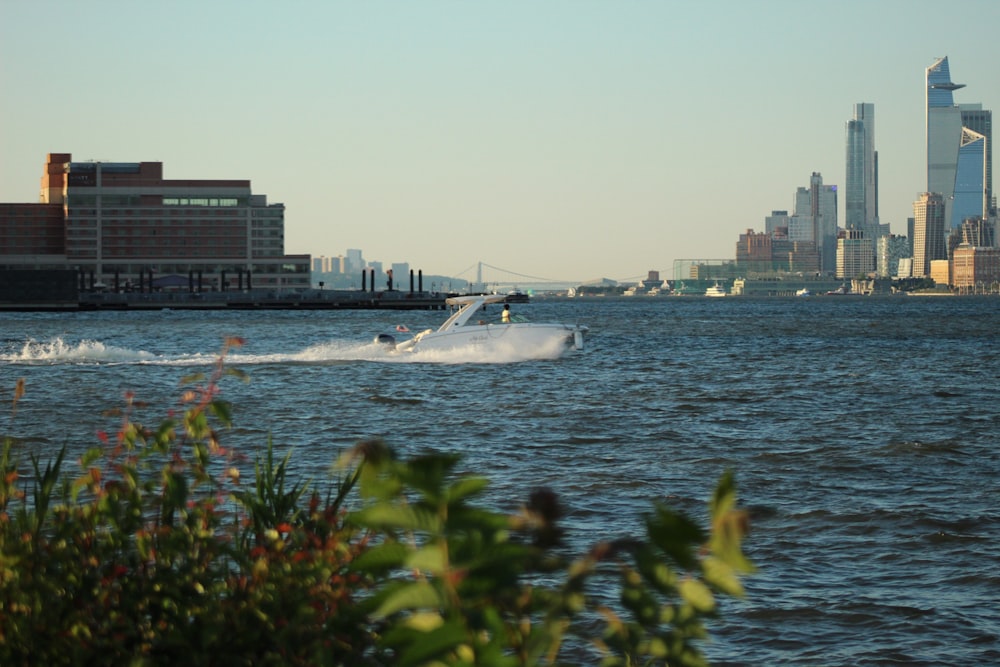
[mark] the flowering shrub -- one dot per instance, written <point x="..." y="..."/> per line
<point x="156" y="552"/>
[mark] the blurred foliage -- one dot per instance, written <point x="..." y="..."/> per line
<point x="155" y="551"/>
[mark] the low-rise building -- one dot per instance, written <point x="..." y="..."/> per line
<point x="975" y="266"/>
<point x="122" y="225"/>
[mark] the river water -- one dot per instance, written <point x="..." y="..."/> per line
<point x="863" y="433"/>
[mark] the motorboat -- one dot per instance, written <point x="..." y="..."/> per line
<point x="716" y="290"/>
<point x="803" y="292"/>
<point x="470" y="327"/>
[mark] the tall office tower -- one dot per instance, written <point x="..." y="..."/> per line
<point x="861" y="203"/>
<point x="969" y="198"/>
<point x="959" y="158"/>
<point x="928" y="232"/>
<point x="980" y="120"/>
<point x="819" y="203"/>
<point x="944" y="133"/>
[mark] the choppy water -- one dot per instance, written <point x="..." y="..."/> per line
<point x="863" y="433"/>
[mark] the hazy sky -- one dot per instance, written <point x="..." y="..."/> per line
<point x="566" y="140"/>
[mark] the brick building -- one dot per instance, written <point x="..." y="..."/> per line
<point x="123" y="224"/>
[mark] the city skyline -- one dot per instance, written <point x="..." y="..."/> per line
<point x="560" y="140"/>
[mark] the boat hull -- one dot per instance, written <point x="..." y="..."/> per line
<point x="525" y="339"/>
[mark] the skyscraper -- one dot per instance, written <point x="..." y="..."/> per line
<point x="818" y="203"/>
<point x="928" y="232"/>
<point x="959" y="155"/>
<point x="980" y="120"/>
<point x="969" y="199"/>
<point x="861" y="195"/>
<point x="944" y="132"/>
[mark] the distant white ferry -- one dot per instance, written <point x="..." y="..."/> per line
<point x="716" y="290"/>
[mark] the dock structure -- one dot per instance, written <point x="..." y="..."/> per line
<point x="311" y="299"/>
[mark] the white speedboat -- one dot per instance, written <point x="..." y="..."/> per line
<point x="803" y="292"/>
<point x="472" y="327"/>
<point x="716" y="290"/>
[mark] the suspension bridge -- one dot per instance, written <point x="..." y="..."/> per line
<point x="483" y="277"/>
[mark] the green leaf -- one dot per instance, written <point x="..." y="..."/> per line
<point x="430" y="558"/>
<point x="430" y="645"/>
<point x="91" y="455"/>
<point x="427" y="473"/>
<point x="466" y="487"/>
<point x="677" y="535"/>
<point x="221" y="410"/>
<point x="655" y="571"/>
<point x="722" y="576"/>
<point x="390" y="516"/>
<point x="380" y="558"/>
<point x="697" y="594"/>
<point x="416" y="595"/>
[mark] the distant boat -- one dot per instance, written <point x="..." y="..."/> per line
<point x="804" y="292"/>
<point x="517" y="296"/>
<point x="716" y="290"/>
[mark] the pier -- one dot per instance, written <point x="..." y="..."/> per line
<point x="309" y="299"/>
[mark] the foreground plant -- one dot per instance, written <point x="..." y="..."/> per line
<point x="461" y="585"/>
<point x="156" y="552"/>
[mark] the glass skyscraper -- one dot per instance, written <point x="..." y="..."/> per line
<point x="817" y="205"/>
<point x="861" y="203"/>
<point x="928" y="232"/>
<point x="958" y="156"/>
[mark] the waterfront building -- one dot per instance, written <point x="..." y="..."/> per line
<point x="818" y="204"/>
<point x="760" y="253"/>
<point x="121" y="224"/>
<point x="854" y="254"/>
<point x="803" y="258"/>
<point x="928" y="232"/>
<point x="941" y="271"/>
<point x="861" y="179"/>
<point x="755" y="253"/>
<point x="975" y="267"/>
<point x="889" y="250"/>
<point x="977" y="232"/>
<point x="32" y="236"/>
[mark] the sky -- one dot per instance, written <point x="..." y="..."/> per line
<point x="559" y="140"/>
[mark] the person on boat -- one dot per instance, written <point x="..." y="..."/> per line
<point x="505" y="315"/>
